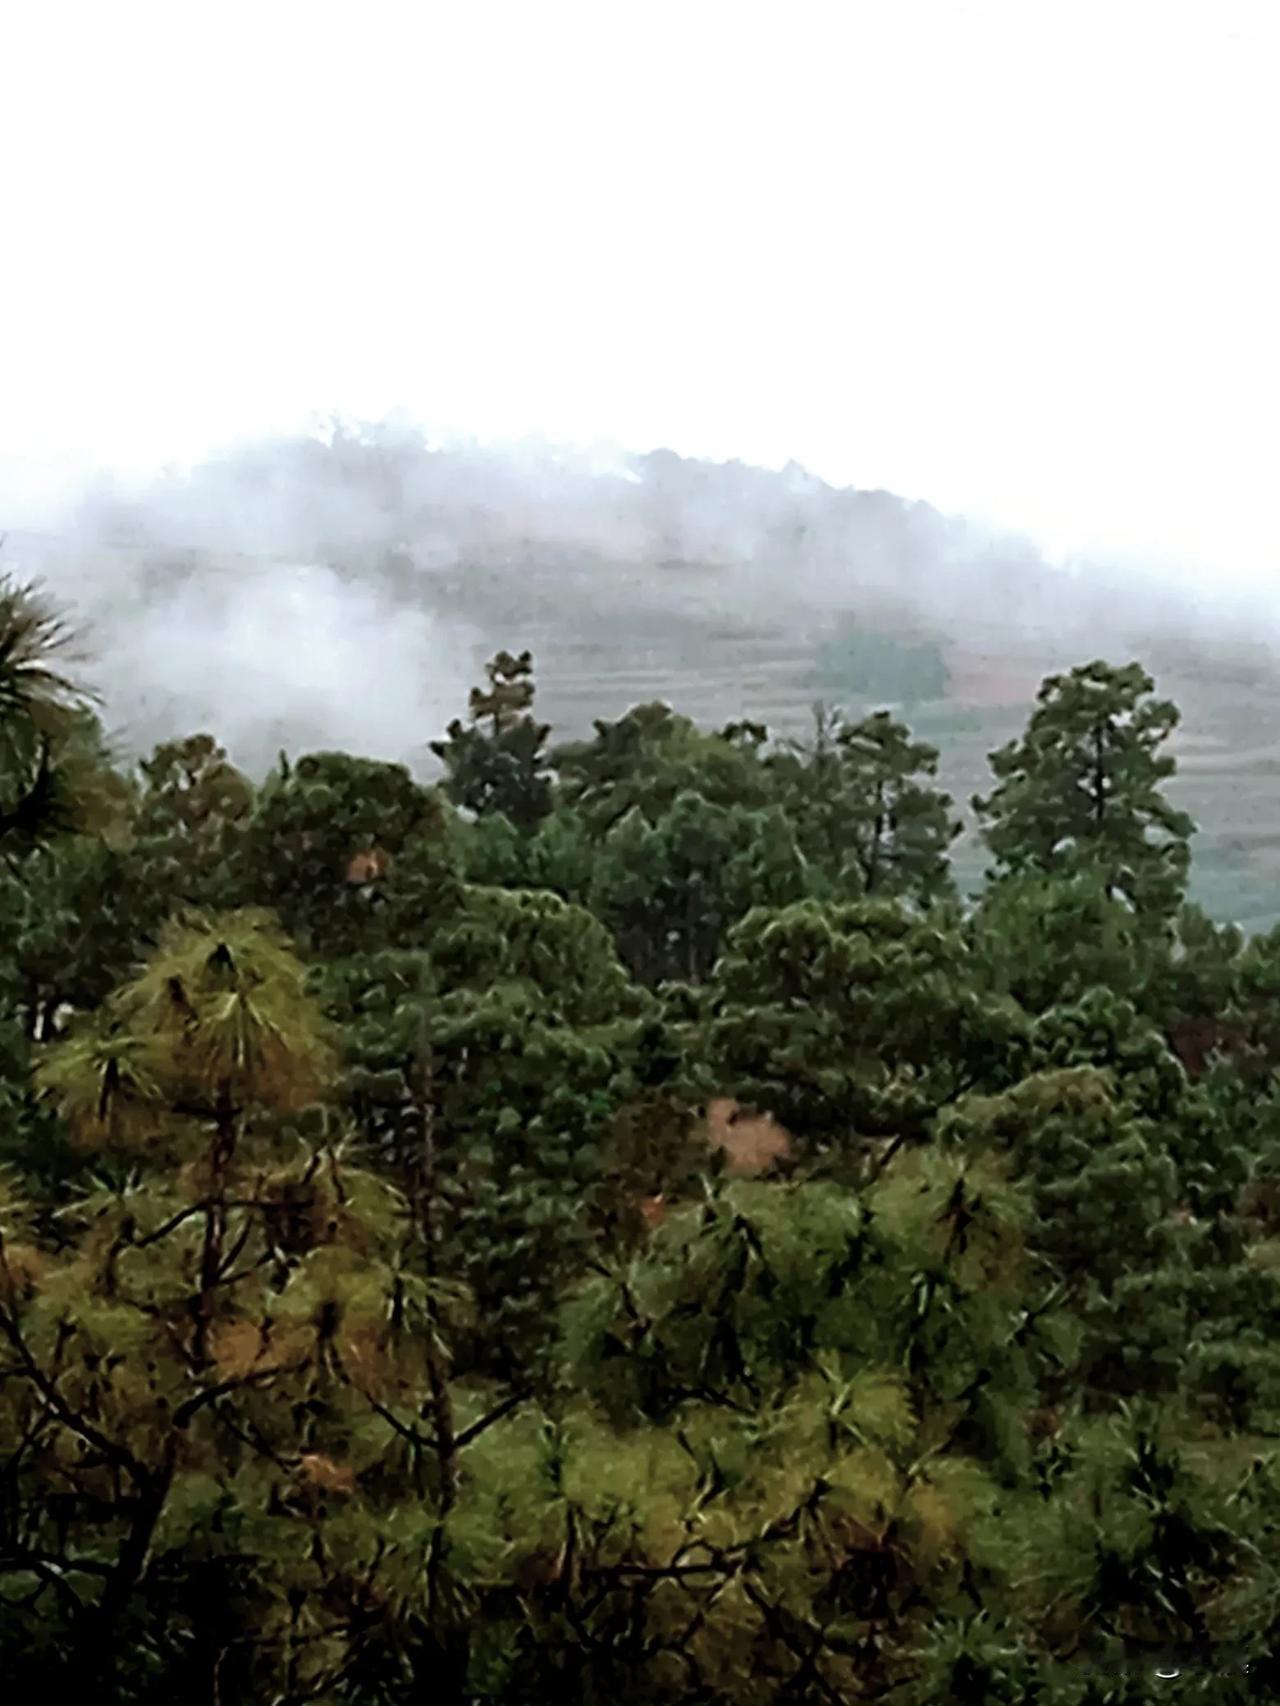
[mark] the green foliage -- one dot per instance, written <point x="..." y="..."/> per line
<point x="1049" y="940"/>
<point x="671" y="889"/>
<point x="1200" y="975"/>
<point x="79" y="912"/>
<point x="763" y="1286"/>
<point x="502" y="767"/>
<point x="191" y="788"/>
<point x="531" y="1028"/>
<point x="1081" y="789"/>
<point x="1103" y="1030"/>
<point x="34" y="640"/>
<point x="239" y="1300"/>
<point x="56" y="771"/>
<point x="868" y="815"/>
<point x="851" y="1022"/>
<point x="192" y="804"/>
<point x="649" y="757"/>
<point x="216" y="1025"/>
<point x="559" y="857"/>
<point x="862" y="1501"/>
<point x="376" y="1320"/>
<point x="559" y="951"/>
<point x="1105" y="1192"/>
<point x="36" y="699"/>
<point x="350" y="853"/>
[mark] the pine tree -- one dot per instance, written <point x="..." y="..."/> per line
<point x="341" y="1359"/>
<point x="671" y="889"/>
<point x="1081" y="789"/>
<point x="1104" y="1241"/>
<point x="192" y="803"/>
<point x="851" y="1024"/>
<point x="230" y="1433"/>
<point x="502" y="767"/>
<point x="44" y="722"/>
<point x="646" y="759"/>
<point x="853" y="1493"/>
<point x="532" y="1027"/>
<point x="1046" y="941"/>
<point x="868" y="814"/>
<point x="351" y="854"/>
<point x="559" y="857"/>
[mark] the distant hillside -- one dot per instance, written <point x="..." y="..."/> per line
<point x="310" y="593"/>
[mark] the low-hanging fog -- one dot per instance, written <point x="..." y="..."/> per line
<point x="343" y="589"/>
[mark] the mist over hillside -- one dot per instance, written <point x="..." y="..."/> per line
<point x="273" y="588"/>
<point x="342" y="590"/>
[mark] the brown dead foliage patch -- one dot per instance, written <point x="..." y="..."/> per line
<point x="240" y="1348"/>
<point x="324" y="1473"/>
<point x="753" y="1142"/>
<point x="368" y="865"/>
<point x="22" y="1267"/>
<point x="363" y="1350"/>
<point x="653" y="1210"/>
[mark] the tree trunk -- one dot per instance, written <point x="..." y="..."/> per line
<point x="448" y="1655"/>
<point x="97" y="1644"/>
<point x="221" y="1151"/>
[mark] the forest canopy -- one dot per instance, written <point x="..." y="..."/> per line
<point x="618" y="1224"/>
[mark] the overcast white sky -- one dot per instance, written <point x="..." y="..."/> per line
<point x="1018" y="258"/>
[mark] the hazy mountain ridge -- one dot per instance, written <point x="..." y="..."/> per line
<point x="343" y="591"/>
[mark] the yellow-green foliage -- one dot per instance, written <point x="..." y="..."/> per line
<point x="219" y="1013"/>
<point x="224" y="1001"/>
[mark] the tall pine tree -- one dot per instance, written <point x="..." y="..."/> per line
<point x="1082" y="788"/>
